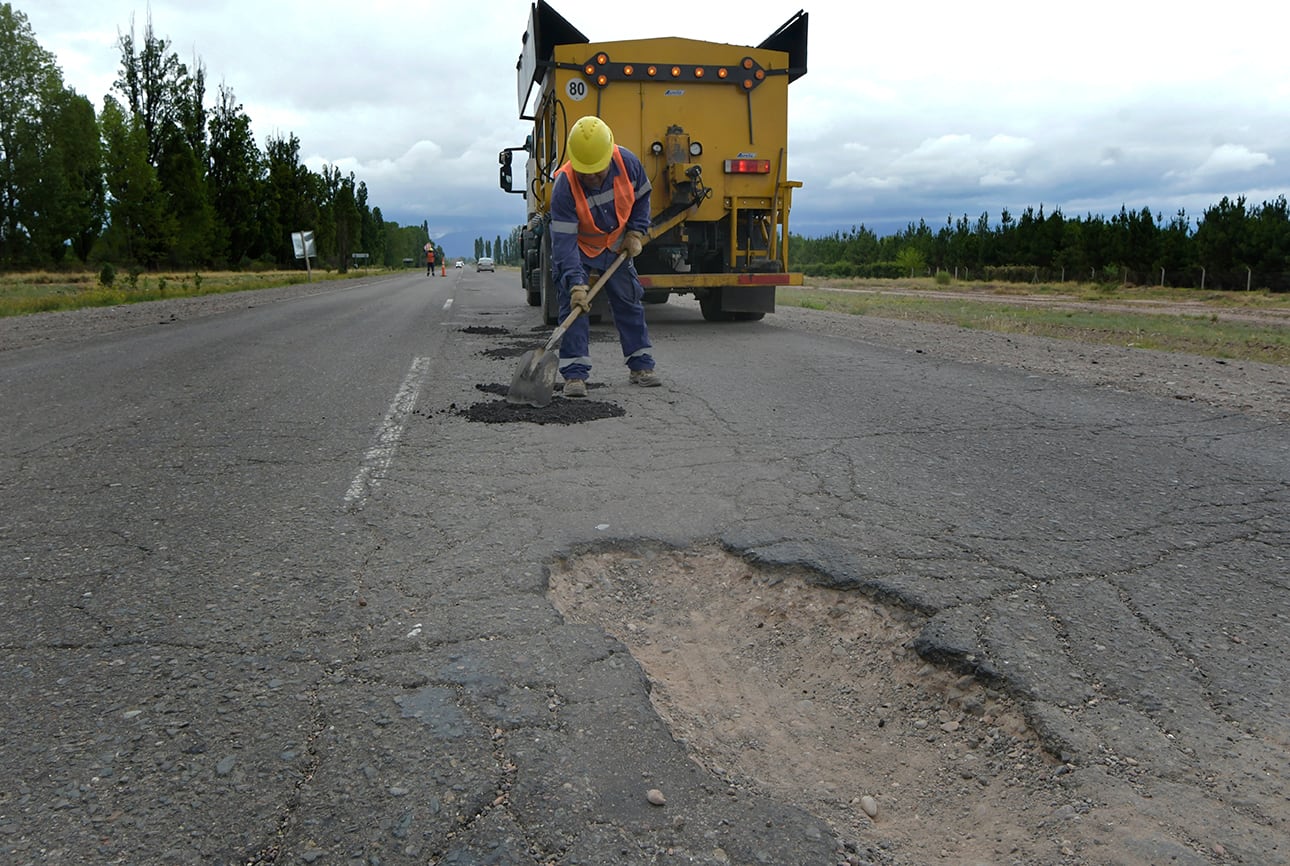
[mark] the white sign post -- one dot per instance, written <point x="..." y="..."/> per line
<point x="305" y="247"/>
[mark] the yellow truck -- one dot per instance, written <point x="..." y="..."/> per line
<point x="709" y="121"/>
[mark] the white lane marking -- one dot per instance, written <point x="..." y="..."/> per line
<point x="447" y="305"/>
<point x="376" y="462"/>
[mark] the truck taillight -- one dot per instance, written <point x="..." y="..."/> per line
<point x="748" y="166"/>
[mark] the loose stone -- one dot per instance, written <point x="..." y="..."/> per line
<point x="655" y="796"/>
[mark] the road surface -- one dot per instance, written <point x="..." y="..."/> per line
<point x="271" y="595"/>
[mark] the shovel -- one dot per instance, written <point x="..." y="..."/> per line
<point x="534" y="381"/>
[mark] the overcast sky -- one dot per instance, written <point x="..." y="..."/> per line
<point x="908" y="111"/>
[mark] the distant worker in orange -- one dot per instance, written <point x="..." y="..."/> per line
<point x="430" y="261"/>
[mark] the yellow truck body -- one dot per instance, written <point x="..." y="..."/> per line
<point x="708" y="120"/>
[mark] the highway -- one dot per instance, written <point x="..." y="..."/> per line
<point x="268" y="596"/>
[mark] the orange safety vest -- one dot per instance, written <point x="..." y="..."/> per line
<point x="591" y="239"/>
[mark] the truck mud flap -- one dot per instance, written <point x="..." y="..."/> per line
<point x="748" y="299"/>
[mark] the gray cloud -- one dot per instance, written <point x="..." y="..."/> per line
<point x="956" y="110"/>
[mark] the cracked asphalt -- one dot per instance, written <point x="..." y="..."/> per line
<point x="268" y="596"/>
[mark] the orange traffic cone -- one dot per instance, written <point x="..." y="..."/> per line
<point x="444" y="271"/>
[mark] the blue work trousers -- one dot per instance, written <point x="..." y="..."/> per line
<point x="624" y="293"/>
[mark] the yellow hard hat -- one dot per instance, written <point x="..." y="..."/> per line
<point x="591" y="145"/>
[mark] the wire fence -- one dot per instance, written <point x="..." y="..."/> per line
<point x="1199" y="277"/>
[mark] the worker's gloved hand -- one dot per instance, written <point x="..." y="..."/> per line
<point x="632" y="242"/>
<point x="578" y="299"/>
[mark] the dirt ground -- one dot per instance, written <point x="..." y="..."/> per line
<point x="814" y="696"/>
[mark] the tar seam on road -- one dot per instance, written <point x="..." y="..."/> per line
<point x="376" y="462"/>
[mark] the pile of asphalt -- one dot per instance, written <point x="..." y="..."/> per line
<point x="558" y="411"/>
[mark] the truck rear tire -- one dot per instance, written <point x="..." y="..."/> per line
<point x="710" y="306"/>
<point x="550" y="299"/>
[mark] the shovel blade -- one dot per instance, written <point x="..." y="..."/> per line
<point x="534" y="381"/>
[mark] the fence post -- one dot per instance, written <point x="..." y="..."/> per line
<point x="1202" y="279"/>
<point x="1162" y="278"/>
<point x="1248" y="276"/>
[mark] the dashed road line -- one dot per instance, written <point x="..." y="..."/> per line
<point x="376" y="462"/>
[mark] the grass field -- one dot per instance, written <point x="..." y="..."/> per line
<point x="42" y="292"/>
<point x="1150" y="318"/>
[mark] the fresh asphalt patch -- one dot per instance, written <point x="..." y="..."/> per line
<point x="558" y="411"/>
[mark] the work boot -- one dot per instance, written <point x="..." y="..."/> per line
<point x="575" y="388"/>
<point x="645" y="378"/>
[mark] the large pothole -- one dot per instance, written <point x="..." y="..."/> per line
<point x="813" y="695"/>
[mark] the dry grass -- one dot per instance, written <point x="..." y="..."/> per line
<point x="38" y="292"/>
<point x="1150" y="318"/>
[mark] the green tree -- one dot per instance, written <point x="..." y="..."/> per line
<point x="342" y="221"/>
<point x="28" y="77"/>
<point x="236" y="181"/>
<point x="69" y="177"/>
<point x="371" y="230"/>
<point x="1221" y="239"/>
<point x="1270" y="241"/>
<point x="288" y="202"/>
<point x="168" y="99"/>
<point x="141" y="228"/>
<point x="912" y="261"/>
<point x="151" y="83"/>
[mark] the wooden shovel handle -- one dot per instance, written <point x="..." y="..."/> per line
<point x="653" y="232"/>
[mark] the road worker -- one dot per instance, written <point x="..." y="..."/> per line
<point x="599" y="207"/>
<point x="430" y="261"/>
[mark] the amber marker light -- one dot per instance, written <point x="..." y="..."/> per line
<point x="651" y="71"/>
<point x="722" y="72"/>
<point x="589" y="69"/>
<point x="676" y="72"/>
<point x="602" y="59"/>
<point x="698" y="72"/>
<point x="628" y="69"/>
<point x="747" y="63"/>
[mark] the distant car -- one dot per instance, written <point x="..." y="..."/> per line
<point x="485" y="264"/>
<point x="458" y="264"/>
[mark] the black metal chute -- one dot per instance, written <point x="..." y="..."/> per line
<point x="791" y="39"/>
<point x="547" y="29"/>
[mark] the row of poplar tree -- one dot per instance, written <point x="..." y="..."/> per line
<point x="158" y="180"/>
<point x="1232" y="246"/>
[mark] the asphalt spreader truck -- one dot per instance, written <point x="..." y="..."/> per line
<point x="709" y="121"/>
